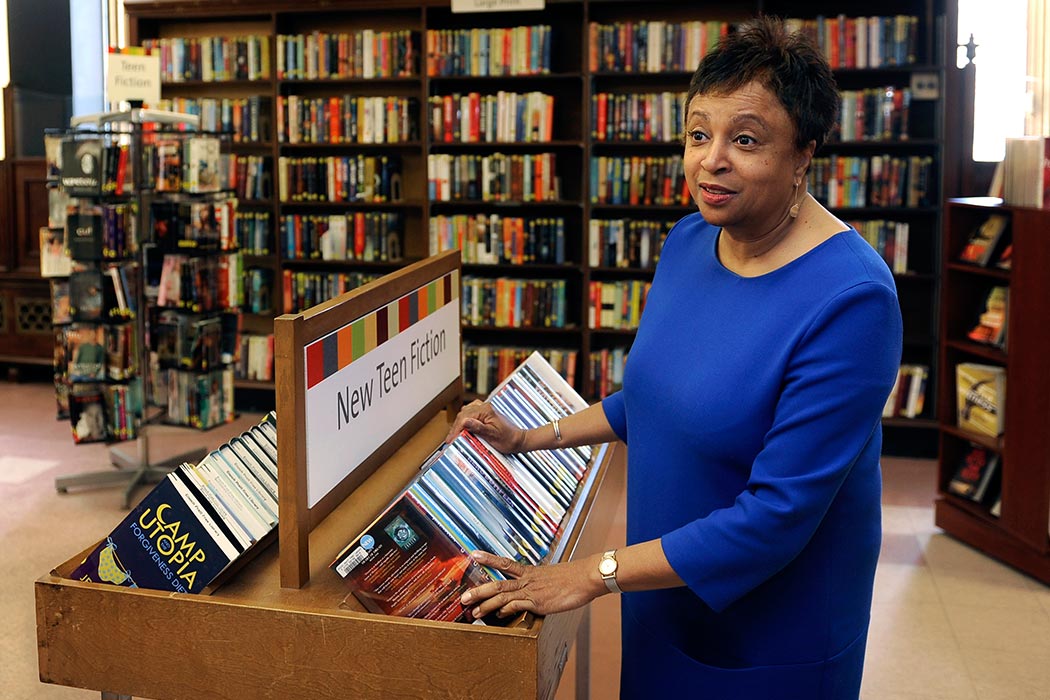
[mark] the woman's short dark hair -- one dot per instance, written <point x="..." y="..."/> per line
<point x="787" y="63"/>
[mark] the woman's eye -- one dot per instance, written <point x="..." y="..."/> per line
<point x="745" y="140"/>
<point x="696" y="135"/>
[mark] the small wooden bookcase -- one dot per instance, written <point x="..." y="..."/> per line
<point x="283" y="626"/>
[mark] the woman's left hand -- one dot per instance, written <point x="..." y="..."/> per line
<point x="537" y="589"/>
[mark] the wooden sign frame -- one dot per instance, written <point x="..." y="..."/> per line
<point x="292" y="333"/>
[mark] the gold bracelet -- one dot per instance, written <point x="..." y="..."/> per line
<point x="557" y="431"/>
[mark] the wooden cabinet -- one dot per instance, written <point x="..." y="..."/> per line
<point x="1018" y="536"/>
<point x="25" y="298"/>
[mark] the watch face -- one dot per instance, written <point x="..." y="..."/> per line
<point x="607" y="567"/>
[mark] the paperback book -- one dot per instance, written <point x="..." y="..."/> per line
<point x="194" y="524"/>
<point x="54" y="256"/>
<point x="981" y="397"/>
<point x="414" y="559"/>
<point x="974" y="474"/>
<point x="984" y="242"/>
<point x="991" y="324"/>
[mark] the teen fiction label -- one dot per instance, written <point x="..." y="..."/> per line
<point x="365" y="379"/>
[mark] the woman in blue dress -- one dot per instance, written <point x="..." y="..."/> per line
<point x="751" y="407"/>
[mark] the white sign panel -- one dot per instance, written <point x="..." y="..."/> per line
<point x="353" y="411"/>
<point x="130" y="77"/>
<point x="496" y="5"/>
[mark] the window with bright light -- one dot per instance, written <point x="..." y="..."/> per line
<point x="5" y="68"/>
<point x="1001" y="89"/>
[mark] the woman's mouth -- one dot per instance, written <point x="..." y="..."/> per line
<point x="715" y="195"/>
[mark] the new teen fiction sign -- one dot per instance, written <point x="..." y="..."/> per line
<point x="365" y="379"/>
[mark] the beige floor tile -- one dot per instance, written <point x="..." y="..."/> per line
<point x="922" y="520"/>
<point x="903" y="583"/>
<point x="1000" y="628"/>
<point x="897" y="520"/>
<point x="902" y="548"/>
<point x="904" y="665"/>
<point x="988" y="589"/>
<point x="1041" y="591"/>
<point x="1017" y="674"/>
<point x="921" y="624"/>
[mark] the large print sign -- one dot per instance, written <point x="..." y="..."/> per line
<point x="365" y="379"/>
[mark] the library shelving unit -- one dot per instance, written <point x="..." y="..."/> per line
<point x="1018" y="536"/>
<point x="561" y="62"/>
<point x="284" y="623"/>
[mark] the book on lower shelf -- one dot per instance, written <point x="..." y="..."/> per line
<point x="414" y="559"/>
<point x="980" y="398"/>
<point x="196" y="522"/>
<point x="975" y="474"/>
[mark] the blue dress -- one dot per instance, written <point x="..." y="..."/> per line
<point x="752" y="412"/>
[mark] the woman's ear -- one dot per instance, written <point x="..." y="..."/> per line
<point x="805" y="158"/>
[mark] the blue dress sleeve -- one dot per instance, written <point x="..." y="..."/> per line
<point x="831" y="402"/>
<point x="616" y="414"/>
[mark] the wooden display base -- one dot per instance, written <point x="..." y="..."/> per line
<point x="315" y="641"/>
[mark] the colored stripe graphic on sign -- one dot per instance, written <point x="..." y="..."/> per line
<point x="326" y="356"/>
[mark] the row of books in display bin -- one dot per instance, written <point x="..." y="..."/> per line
<point x="93" y="165"/>
<point x="414" y="559"/>
<point x="197" y="521"/>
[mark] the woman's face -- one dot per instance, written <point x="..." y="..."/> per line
<point x="741" y="161"/>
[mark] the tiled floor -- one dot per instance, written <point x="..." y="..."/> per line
<point x="947" y="623"/>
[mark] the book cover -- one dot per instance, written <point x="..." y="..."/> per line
<point x="86" y="296"/>
<point x="58" y="204"/>
<point x="55" y="260"/>
<point x="82" y="167"/>
<point x="85" y="352"/>
<point x="980" y="397"/>
<point x="60" y="302"/>
<point x="87" y="414"/>
<point x="974" y="474"/>
<point x="162" y="544"/>
<point x="991" y="324"/>
<point x="202" y="164"/>
<point x="168" y="165"/>
<point x="404" y="565"/>
<point x="84" y="233"/>
<point x="984" y="241"/>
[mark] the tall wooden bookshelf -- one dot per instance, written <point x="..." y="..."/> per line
<point x="574" y="83"/>
<point x="1018" y="536"/>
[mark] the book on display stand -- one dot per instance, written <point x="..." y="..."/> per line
<point x="414" y="559"/>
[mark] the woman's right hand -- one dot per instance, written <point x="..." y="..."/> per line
<point x="480" y="418"/>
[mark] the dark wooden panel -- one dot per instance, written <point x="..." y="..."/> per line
<point x="29" y="196"/>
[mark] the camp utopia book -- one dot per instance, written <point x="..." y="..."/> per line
<point x="195" y="522"/>
<point x="161" y="544"/>
<point x="413" y="560"/>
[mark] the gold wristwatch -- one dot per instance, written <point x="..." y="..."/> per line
<point x="607" y="568"/>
